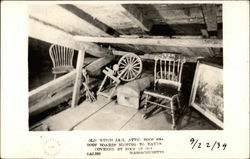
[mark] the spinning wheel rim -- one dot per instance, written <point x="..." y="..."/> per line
<point x="133" y="65"/>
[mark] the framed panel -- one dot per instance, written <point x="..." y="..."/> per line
<point x="207" y="92"/>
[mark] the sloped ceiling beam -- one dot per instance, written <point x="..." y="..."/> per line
<point x="102" y="27"/>
<point x="90" y="19"/>
<point x="137" y="16"/>
<point x="209" y="13"/>
<point x="217" y="43"/>
<point x="47" y="32"/>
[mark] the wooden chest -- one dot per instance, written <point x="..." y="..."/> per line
<point x="127" y="96"/>
<point x="129" y="93"/>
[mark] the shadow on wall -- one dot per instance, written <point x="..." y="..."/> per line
<point x="39" y="63"/>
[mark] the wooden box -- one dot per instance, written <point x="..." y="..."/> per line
<point x="129" y="93"/>
<point x="127" y="96"/>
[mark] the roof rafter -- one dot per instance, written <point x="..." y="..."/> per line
<point x="105" y="29"/>
<point x="209" y="13"/>
<point x="137" y="16"/>
<point x="90" y="19"/>
<point x="50" y="33"/>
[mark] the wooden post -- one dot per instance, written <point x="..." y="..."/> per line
<point x="78" y="79"/>
<point x="59" y="90"/>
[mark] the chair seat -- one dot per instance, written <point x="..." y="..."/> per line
<point x="162" y="90"/>
<point x="62" y="69"/>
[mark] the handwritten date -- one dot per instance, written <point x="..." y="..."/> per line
<point x="195" y="143"/>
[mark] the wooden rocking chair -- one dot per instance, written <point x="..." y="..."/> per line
<point x="167" y="84"/>
<point x="62" y="58"/>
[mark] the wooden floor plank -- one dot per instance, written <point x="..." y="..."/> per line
<point x="112" y="117"/>
<point x="69" y="118"/>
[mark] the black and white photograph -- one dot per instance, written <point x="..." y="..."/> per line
<point x="125" y="79"/>
<point x="119" y="66"/>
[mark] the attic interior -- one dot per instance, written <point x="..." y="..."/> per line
<point x="119" y="52"/>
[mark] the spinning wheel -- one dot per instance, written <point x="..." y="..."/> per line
<point x="129" y="67"/>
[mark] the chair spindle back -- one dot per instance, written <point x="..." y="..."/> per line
<point x="168" y="68"/>
<point x="61" y="56"/>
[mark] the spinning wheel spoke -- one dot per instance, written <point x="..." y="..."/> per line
<point x="133" y="72"/>
<point x="136" y="64"/>
<point x="130" y="66"/>
<point x="129" y="59"/>
<point x="123" y="63"/>
<point x="125" y="75"/>
<point x="128" y="75"/>
<point x="136" y="68"/>
<point x="133" y="60"/>
<point x="132" y="75"/>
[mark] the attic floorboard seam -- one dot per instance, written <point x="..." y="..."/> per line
<point x="129" y="120"/>
<point x="73" y="127"/>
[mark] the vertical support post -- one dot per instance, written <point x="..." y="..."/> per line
<point x="173" y="70"/>
<point x="161" y="68"/>
<point x="78" y="79"/>
<point x="178" y="70"/>
<point x="165" y="69"/>
<point x="169" y="71"/>
<point x="155" y="71"/>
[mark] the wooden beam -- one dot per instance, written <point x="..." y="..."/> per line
<point x="50" y="102"/>
<point x="186" y="37"/>
<point x="51" y="88"/>
<point x="99" y="63"/>
<point x="209" y="13"/>
<point x="94" y="22"/>
<point x="61" y="96"/>
<point x="151" y="57"/>
<point x="204" y="33"/>
<point x="137" y="16"/>
<point x="154" y="41"/>
<point x="78" y="80"/>
<point x="162" y="37"/>
<point x="190" y="21"/>
<point x="55" y="92"/>
<point x="47" y="32"/>
<point x="89" y="19"/>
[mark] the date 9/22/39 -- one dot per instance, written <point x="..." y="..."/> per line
<point x="209" y="145"/>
